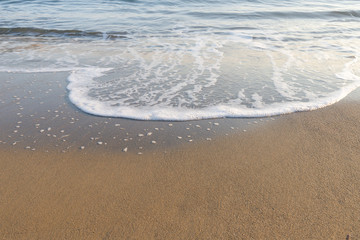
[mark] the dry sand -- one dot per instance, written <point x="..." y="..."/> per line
<point x="294" y="178"/>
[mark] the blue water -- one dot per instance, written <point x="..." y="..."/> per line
<point x="181" y="60"/>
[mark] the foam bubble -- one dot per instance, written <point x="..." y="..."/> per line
<point x="194" y="76"/>
<point x="80" y="81"/>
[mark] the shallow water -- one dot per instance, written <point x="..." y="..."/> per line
<point x="181" y="60"/>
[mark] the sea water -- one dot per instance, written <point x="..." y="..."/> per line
<point x="187" y="59"/>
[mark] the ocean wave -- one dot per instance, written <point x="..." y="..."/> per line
<point x="187" y="59"/>
<point x="38" y="32"/>
<point x="344" y="14"/>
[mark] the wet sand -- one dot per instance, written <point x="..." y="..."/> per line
<point x="36" y="115"/>
<point x="297" y="177"/>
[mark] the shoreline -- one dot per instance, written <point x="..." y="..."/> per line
<point x="41" y="117"/>
<point x="294" y="177"/>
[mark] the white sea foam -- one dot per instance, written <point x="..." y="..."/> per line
<point x="188" y="76"/>
<point x="79" y="87"/>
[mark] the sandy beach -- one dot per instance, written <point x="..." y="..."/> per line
<point x="178" y="119"/>
<point x="293" y="177"/>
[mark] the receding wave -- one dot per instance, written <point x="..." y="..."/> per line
<point x="37" y="32"/>
<point x="188" y="59"/>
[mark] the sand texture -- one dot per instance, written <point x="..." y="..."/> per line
<point x="294" y="178"/>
